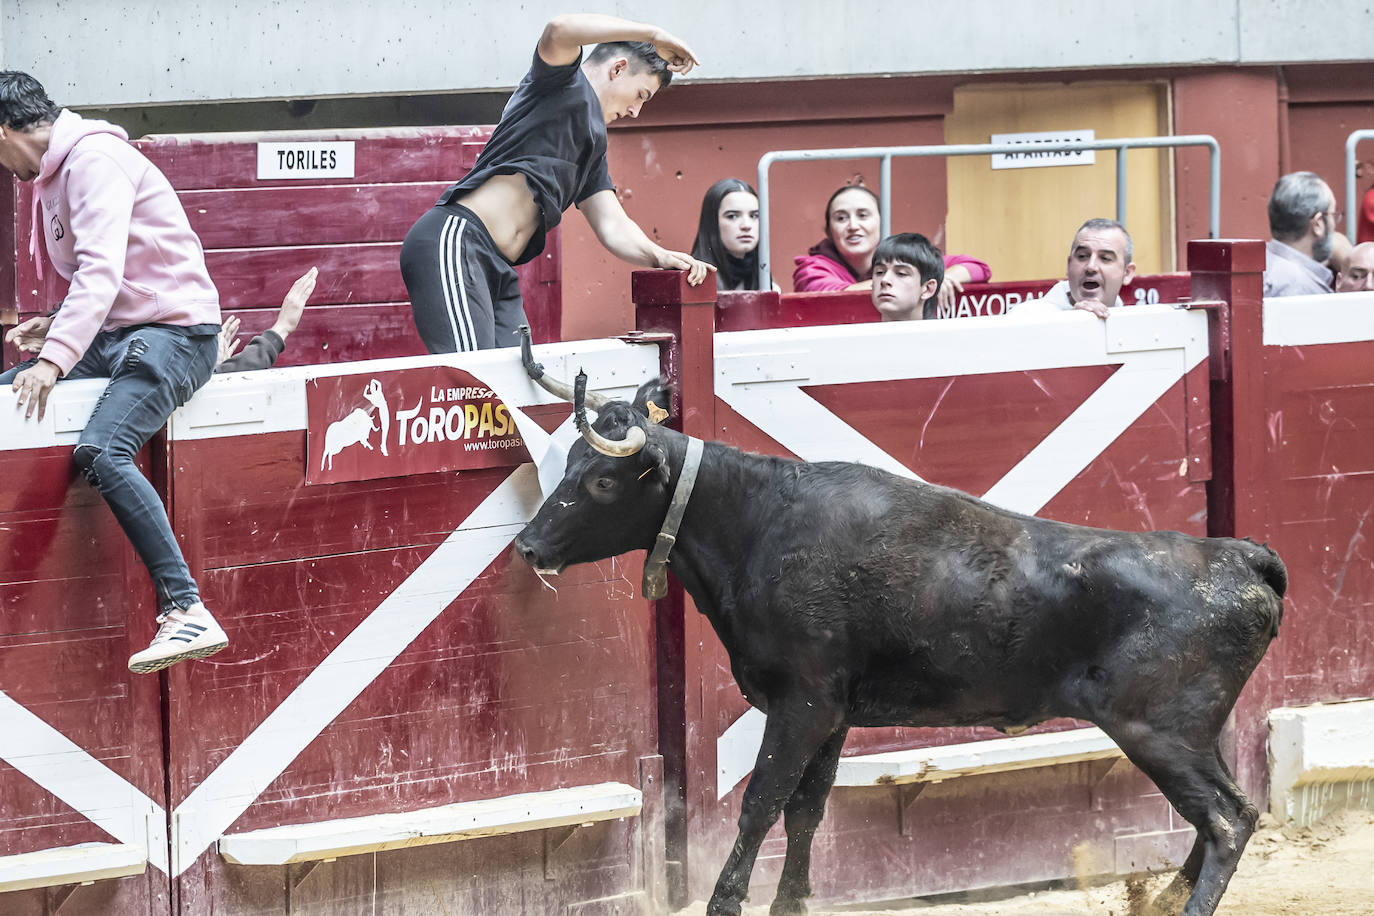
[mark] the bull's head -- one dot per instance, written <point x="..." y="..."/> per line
<point x="615" y="490"/>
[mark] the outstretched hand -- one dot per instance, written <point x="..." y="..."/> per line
<point x="30" y="335"/>
<point x="679" y="57"/>
<point x="228" y="339"/>
<point x="677" y="260"/>
<point x="293" y="306"/>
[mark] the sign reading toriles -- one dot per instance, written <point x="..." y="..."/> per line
<point x="305" y="160"/>
<point x="413" y="421"/>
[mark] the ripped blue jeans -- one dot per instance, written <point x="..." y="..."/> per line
<point x="153" y="369"/>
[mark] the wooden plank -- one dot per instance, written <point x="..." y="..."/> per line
<point x="70" y="865"/>
<point x="445" y="824"/>
<point x="325" y="840"/>
<point x="315" y="215"/>
<point x="738" y="311"/>
<point x="260" y="277"/>
<point x="998" y="755"/>
<point x="229" y="160"/>
<point x="339" y="333"/>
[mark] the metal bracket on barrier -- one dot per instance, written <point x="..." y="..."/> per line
<point x="297" y="872"/>
<point x="1098" y="771"/>
<point x="907" y="793"/>
<point x="58" y="896"/>
<point x="647" y="337"/>
<point x="1219" y="340"/>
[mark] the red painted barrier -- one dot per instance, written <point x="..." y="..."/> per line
<point x="389" y="658"/>
<point x="742" y="311"/>
<point x="74" y="603"/>
<point x="261" y="234"/>
<point x="472" y="679"/>
<point x="974" y="407"/>
<point x="386" y="658"/>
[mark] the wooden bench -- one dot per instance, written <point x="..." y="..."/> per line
<point x="328" y="840"/>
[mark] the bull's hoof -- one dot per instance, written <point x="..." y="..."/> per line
<point x="787" y="907"/>
<point x="1168" y="902"/>
<point x="718" y="907"/>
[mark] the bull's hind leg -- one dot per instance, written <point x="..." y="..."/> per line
<point x="1172" y="897"/>
<point x="802" y="816"/>
<point x="1195" y="782"/>
<point x="791" y="739"/>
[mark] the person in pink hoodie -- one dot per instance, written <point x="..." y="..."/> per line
<point x="141" y="311"/>
<point x="844" y="258"/>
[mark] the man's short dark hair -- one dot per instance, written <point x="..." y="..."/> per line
<point x="1101" y="224"/>
<point x="914" y="249"/>
<point x="640" y="54"/>
<point x="23" y="101"/>
<point x="1297" y="197"/>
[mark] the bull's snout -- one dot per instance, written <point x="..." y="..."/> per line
<point x="530" y="554"/>
<point x="526" y="552"/>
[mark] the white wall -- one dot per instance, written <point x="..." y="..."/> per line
<point x="104" y="52"/>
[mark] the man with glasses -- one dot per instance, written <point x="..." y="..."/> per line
<point x="1302" y="220"/>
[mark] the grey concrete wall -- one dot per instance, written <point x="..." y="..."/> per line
<point x="140" y="52"/>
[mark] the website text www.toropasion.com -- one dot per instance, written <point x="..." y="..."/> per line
<point x="483" y="444"/>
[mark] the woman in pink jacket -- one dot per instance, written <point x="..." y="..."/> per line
<point x="844" y="258"/>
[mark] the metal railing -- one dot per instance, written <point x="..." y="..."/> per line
<point x="887" y="153"/>
<point x="1351" y="198"/>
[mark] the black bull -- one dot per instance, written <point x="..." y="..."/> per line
<point x="848" y="596"/>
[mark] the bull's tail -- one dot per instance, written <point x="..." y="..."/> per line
<point x="1267" y="565"/>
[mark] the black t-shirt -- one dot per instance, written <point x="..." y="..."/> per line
<point x="553" y="133"/>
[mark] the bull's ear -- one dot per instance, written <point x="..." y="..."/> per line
<point x="656" y="461"/>
<point x="654" y="399"/>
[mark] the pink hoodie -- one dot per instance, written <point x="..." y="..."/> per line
<point x="823" y="268"/>
<point x="115" y="229"/>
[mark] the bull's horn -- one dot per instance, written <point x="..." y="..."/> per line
<point x="553" y="386"/>
<point x="634" y="439"/>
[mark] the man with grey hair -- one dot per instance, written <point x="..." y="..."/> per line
<point x="1302" y="221"/>
<point x="1100" y="263"/>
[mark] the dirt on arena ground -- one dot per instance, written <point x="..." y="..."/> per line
<point x="1323" y="870"/>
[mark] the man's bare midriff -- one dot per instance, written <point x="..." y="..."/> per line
<point x="506" y="207"/>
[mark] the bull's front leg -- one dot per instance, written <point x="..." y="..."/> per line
<point x="791" y="739"/>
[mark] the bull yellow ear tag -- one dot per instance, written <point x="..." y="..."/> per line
<point x="656" y="414"/>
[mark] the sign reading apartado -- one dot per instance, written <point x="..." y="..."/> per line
<point x="412" y="421"/>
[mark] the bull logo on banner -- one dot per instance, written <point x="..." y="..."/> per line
<point x="455" y="423"/>
<point x="358" y="426"/>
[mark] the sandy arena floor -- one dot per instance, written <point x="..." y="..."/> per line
<point x="1323" y="870"/>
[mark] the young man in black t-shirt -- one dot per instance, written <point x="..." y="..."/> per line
<point x="547" y="152"/>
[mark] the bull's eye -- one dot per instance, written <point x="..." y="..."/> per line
<point x="602" y="489"/>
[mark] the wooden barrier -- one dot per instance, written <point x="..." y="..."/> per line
<point x="749" y="310"/>
<point x="260" y="234"/>
<point x="393" y="681"/>
<point x="80" y="739"/>
<point x="397" y="684"/>
<point x="1063" y="415"/>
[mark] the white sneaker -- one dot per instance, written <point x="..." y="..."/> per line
<point x="191" y="633"/>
